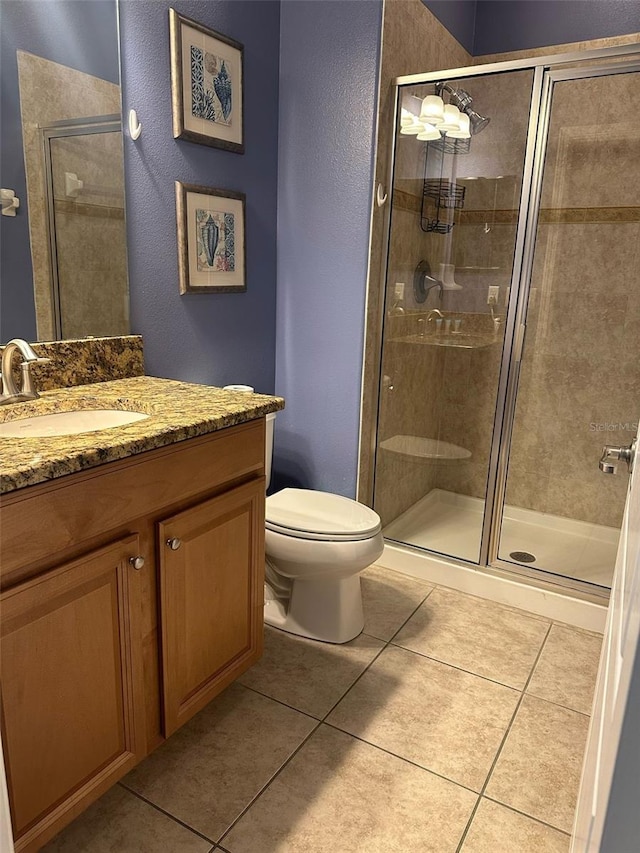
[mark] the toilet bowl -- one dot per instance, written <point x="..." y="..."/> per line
<point x="316" y="545"/>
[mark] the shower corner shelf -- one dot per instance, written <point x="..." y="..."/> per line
<point x="420" y="447"/>
<point x="444" y="193"/>
<point x="457" y="341"/>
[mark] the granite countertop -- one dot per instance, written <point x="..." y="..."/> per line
<point x="177" y="411"/>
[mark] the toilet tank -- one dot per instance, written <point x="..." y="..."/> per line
<point x="268" y="446"/>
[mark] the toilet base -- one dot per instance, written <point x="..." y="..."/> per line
<point x="327" y="610"/>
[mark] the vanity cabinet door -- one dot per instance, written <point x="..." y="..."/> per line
<point x="212" y="598"/>
<point x="71" y="681"/>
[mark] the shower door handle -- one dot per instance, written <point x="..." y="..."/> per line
<point x="611" y="455"/>
<point x="518" y="343"/>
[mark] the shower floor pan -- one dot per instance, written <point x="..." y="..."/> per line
<point x="451" y="524"/>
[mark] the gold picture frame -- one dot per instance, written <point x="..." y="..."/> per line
<point x="207" y="91"/>
<point x="211" y="239"/>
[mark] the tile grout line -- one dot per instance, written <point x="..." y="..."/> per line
<point x="401" y="758"/>
<point x="559" y="705"/>
<point x="320" y="722"/>
<point x="410" y="616"/>
<point x="502" y="743"/>
<point x="374" y="659"/>
<point x="280" y="702"/>
<point x="529" y="614"/>
<point x="524" y="814"/>
<point x="459" y="668"/>
<point x="168" y="814"/>
<point x="271" y="779"/>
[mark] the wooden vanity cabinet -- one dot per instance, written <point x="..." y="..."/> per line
<point x="73" y="711"/>
<point x="100" y="660"/>
<point x="209" y="595"/>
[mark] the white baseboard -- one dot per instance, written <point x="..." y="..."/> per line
<point x="542" y="602"/>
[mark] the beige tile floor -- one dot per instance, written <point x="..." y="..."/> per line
<point x="451" y="724"/>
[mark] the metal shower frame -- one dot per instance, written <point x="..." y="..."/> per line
<point x="547" y="70"/>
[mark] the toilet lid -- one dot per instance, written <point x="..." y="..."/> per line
<point x="310" y="514"/>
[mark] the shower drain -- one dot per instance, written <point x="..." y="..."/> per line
<point x="522" y="556"/>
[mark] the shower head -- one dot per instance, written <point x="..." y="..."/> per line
<point x="463" y="100"/>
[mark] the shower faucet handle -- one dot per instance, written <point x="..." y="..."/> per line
<point x="611" y="455"/>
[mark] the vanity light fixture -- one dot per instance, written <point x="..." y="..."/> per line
<point x="455" y="120"/>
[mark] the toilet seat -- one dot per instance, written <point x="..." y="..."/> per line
<point x="320" y="516"/>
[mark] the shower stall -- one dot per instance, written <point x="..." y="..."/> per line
<point x="509" y="343"/>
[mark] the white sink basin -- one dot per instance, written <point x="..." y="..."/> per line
<point x="68" y="423"/>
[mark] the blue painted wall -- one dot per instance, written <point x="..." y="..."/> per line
<point x="519" y="24"/>
<point x="209" y="338"/>
<point x="458" y="16"/>
<point x="83" y="36"/>
<point x="328" y="96"/>
<point x="499" y="26"/>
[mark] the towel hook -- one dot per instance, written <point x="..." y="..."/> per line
<point x="135" y="128"/>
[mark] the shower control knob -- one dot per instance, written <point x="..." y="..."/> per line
<point x="611" y="455"/>
<point x="174" y="543"/>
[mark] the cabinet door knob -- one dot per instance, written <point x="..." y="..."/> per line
<point x="137" y="562"/>
<point x="174" y="543"/>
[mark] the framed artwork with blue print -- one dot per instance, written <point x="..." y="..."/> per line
<point x="211" y="245"/>
<point x="206" y="85"/>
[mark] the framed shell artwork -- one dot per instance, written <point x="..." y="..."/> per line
<point x="206" y="85"/>
<point x="211" y="244"/>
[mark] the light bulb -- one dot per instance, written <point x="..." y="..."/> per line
<point x="429" y="133"/>
<point x="412" y="129"/>
<point x="406" y="118"/>
<point x="463" y="131"/>
<point x="451" y="116"/>
<point x="432" y="110"/>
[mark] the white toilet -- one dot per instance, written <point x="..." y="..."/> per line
<point x="316" y="546"/>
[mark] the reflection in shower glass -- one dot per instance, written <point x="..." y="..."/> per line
<point x="455" y="207"/>
<point x="579" y="382"/>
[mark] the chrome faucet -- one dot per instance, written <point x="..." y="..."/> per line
<point x="9" y="393"/>
<point x="433" y="313"/>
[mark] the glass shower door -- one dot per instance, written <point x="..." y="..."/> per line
<point x="455" y="209"/>
<point x="579" y="384"/>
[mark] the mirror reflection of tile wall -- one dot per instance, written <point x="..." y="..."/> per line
<point x="92" y="225"/>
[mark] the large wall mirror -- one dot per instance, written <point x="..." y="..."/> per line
<point x="64" y="259"/>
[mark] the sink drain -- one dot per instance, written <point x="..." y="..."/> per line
<point x="522" y="557"/>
